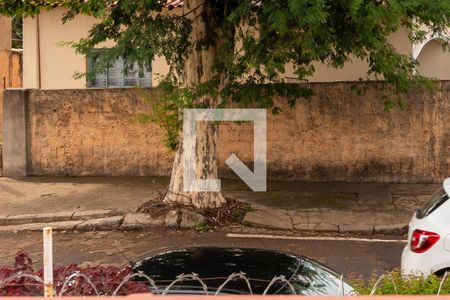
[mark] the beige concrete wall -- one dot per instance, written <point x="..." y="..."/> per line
<point x="355" y="69"/>
<point x="333" y="136"/>
<point x="434" y="62"/>
<point x="5" y="33"/>
<point x="44" y="56"/>
<point x="30" y="53"/>
<point x="58" y="64"/>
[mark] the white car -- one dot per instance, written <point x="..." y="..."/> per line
<point x="428" y="248"/>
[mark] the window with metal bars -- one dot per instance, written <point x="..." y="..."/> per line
<point x="116" y="75"/>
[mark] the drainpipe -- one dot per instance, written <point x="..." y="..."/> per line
<point x="10" y="68"/>
<point x="38" y="35"/>
<point x="10" y="56"/>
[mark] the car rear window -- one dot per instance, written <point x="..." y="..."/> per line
<point x="438" y="198"/>
<point x="214" y="265"/>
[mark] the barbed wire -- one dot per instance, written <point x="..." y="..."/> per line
<point x="71" y="281"/>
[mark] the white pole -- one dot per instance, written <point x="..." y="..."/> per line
<point x="48" y="262"/>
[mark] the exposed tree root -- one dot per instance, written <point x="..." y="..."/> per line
<point x="232" y="212"/>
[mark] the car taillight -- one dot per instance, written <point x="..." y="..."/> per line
<point x="422" y="241"/>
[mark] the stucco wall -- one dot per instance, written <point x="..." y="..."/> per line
<point x="335" y="135"/>
<point x="92" y="132"/>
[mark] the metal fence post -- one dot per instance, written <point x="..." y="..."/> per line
<point x="48" y="262"/>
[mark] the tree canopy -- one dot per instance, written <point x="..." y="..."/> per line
<point x="256" y="39"/>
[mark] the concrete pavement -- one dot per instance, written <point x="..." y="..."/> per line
<point x="63" y="194"/>
<point x="339" y="207"/>
<point x="102" y="203"/>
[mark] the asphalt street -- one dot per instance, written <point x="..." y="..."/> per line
<point x="347" y="257"/>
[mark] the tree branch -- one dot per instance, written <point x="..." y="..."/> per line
<point x="194" y="9"/>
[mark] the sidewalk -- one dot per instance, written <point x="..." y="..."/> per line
<point x="367" y="208"/>
<point x="102" y="203"/>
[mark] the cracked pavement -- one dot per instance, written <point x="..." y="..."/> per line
<point x="355" y="207"/>
<point x="287" y="205"/>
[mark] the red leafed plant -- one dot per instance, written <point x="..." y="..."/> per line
<point x="22" y="280"/>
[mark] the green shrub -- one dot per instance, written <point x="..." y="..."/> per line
<point x="394" y="283"/>
<point x="203" y="227"/>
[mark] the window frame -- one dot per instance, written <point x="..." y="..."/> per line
<point x="89" y="82"/>
<point x="439" y="198"/>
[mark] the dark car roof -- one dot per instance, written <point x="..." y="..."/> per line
<point x="220" y="262"/>
<point x="213" y="265"/>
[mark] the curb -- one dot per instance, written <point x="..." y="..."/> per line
<point x="108" y="223"/>
<point x="105" y="220"/>
<point x="58" y="217"/>
<point x="98" y="220"/>
<point x="92" y="220"/>
<point x="306" y="221"/>
<point x="396" y="229"/>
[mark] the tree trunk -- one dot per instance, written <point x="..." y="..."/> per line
<point x="197" y="69"/>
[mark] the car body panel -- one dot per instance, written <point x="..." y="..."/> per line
<point x="447" y="243"/>
<point x="446" y="185"/>
<point x="437" y="258"/>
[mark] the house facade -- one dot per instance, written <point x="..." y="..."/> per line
<point x="50" y="65"/>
